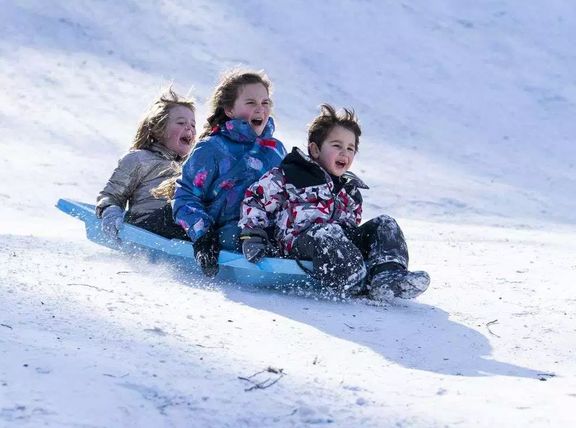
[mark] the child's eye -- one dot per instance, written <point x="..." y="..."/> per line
<point x="351" y="149"/>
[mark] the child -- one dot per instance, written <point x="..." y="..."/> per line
<point x="234" y="150"/>
<point x="315" y="207"/>
<point x="163" y="141"/>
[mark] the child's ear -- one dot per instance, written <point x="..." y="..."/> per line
<point x="228" y="112"/>
<point x="313" y="150"/>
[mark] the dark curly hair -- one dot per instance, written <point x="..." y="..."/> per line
<point x="328" y="118"/>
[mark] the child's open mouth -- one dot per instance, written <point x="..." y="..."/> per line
<point x="257" y="122"/>
<point x="341" y="164"/>
<point x="186" y="140"/>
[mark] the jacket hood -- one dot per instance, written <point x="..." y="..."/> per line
<point x="240" y="131"/>
<point x="296" y="162"/>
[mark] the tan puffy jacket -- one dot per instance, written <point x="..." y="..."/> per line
<point x="137" y="173"/>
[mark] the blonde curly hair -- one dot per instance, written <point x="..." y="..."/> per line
<point x="153" y="124"/>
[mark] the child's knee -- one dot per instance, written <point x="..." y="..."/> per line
<point x="326" y="232"/>
<point x="338" y="263"/>
<point x="384" y="220"/>
<point x="387" y="228"/>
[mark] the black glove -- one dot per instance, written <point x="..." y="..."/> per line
<point x="206" y="249"/>
<point x="254" y="244"/>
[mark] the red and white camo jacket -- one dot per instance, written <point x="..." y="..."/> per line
<point x="297" y="195"/>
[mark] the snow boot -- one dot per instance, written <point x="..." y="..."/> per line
<point x="398" y="283"/>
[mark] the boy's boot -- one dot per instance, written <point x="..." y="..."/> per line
<point x="395" y="281"/>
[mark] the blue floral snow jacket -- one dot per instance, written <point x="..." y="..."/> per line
<point x="218" y="172"/>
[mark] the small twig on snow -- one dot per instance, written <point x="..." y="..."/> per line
<point x="545" y="376"/>
<point x="488" y="327"/>
<point x="114" y="376"/>
<point x="266" y="383"/>
<point x="91" y="286"/>
<point x="7" y="326"/>
<point x="207" y="347"/>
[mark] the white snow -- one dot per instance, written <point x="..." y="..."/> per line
<point x="468" y="129"/>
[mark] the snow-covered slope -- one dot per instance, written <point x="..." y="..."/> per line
<point x="467" y="126"/>
<point x="466" y="111"/>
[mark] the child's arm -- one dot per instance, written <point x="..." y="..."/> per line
<point x="192" y="191"/>
<point x="355" y="205"/>
<point x="358" y="212"/>
<point x="121" y="185"/>
<point x="261" y="201"/>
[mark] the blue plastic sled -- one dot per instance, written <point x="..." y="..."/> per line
<point x="270" y="272"/>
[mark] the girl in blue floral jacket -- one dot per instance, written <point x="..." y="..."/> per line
<point x="235" y="149"/>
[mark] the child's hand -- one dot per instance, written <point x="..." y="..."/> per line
<point x="112" y="220"/>
<point x="254" y="244"/>
<point x="206" y="249"/>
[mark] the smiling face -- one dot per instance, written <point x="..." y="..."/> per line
<point x="180" y="130"/>
<point x="253" y="105"/>
<point x="336" y="152"/>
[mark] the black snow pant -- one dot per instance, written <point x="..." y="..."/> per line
<point x="161" y="223"/>
<point x="344" y="257"/>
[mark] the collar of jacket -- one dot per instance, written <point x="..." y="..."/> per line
<point x="240" y="131"/>
<point x="166" y="153"/>
<point x="301" y="171"/>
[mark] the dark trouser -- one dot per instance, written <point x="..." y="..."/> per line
<point x="161" y="223"/>
<point x="229" y="237"/>
<point x="342" y="257"/>
<point x="381" y="241"/>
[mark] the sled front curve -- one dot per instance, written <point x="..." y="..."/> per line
<point x="233" y="266"/>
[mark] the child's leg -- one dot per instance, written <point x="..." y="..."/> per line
<point x="161" y="223"/>
<point x="337" y="262"/>
<point x="382" y="243"/>
<point x="229" y="237"/>
<point x="384" y="248"/>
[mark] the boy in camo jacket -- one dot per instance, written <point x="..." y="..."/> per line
<point x="314" y="207"/>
